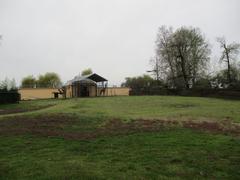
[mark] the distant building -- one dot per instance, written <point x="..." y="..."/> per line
<point x="86" y="86"/>
<point x="91" y="85"/>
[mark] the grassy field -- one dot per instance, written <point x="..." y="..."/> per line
<point x="148" y="137"/>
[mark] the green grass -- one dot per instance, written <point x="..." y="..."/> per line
<point x="29" y="105"/>
<point x="141" y="107"/>
<point x="176" y="152"/>
<point x="157" y="107"/>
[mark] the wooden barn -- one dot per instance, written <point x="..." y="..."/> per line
<point x="86" y="86"/>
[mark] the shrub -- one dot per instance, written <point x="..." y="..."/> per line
<point x="11" y="96"/>
<point x="9" y="92"/>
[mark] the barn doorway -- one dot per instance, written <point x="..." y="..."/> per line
<point x="84" y="91"/>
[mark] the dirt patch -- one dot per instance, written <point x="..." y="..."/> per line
<point x="55" y="126"/>
<point x="21" y="124"/>
<point x="225" y="127"/>
<point x="19" y="110"/>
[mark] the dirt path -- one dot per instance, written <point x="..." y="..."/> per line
<point x="55" y="126"/>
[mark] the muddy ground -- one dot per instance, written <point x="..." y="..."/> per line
<point x="60" y="126"/>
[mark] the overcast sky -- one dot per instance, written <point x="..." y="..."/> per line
<point x="113" y="37"/>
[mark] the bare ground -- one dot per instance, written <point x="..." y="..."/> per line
<point x="55" y="126"/>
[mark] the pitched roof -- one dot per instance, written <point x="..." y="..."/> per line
<point x="91" y="77"/>
<point x="95" y="77"/>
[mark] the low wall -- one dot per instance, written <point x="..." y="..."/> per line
<point x="118" y="91"/>
<point x="37" y="93"/>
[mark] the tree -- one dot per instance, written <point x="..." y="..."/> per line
<point x="163" y="62"/>
<point x="203" y="83"/>
<point x="86" y="72"/>
<point x="183" y="55"/>
<point x="49" y="80"/>
<point x="156" y="68"/>
<point x="139" y="82"/>
<point x="191" y="53"/>
<point x="8" y="85"/>
<point x="229" y="54"/>
<point x="12" y="84"/>
<point x="28" y="82"/>
<point x="220" y="80"/>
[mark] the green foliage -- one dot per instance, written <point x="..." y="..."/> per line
<point x="7" y="97"/>
<point x="29" y="82"/>
<point x="50" y="80"/>
<point x="140" y="82"/>
<point x="8" y="92"/>
<point x="87" y="72"/>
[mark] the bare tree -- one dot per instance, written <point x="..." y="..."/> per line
<point x="229" y="54"/>
<point x="192" y="54"/>
<point x="184" y="55"/>
<point x="156" y="65"/>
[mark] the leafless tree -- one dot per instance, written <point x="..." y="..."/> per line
<point x="229" y="54"/>
<point x="183" y="55"/>
<point x="157" y="69"/>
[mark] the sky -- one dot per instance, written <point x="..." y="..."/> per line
<point x="116" y="38"/>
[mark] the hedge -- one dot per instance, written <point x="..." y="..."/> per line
<point x="225" y="93"/>
<point x="9" y="97"/>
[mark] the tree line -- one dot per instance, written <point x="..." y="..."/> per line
<point x="48" y="80"/>
<point x="182" y="61"/>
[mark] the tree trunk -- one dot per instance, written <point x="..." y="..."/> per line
<point x="183" y="70"/>
<point x="228" y="64"/>
<point x="171" y="68"/>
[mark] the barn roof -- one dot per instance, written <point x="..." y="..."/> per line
<point x="91" y="77"/>
<point x="95" y="77"/>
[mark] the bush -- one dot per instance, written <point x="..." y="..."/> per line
<point x="11" y="96"/>
<point x="224" y="93"/>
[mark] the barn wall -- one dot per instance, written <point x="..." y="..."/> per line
<point x="92" y="91"/>
<point x="73" y="91"/>
<point x="37" y="93"/>
<point x="68" y="91"/>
